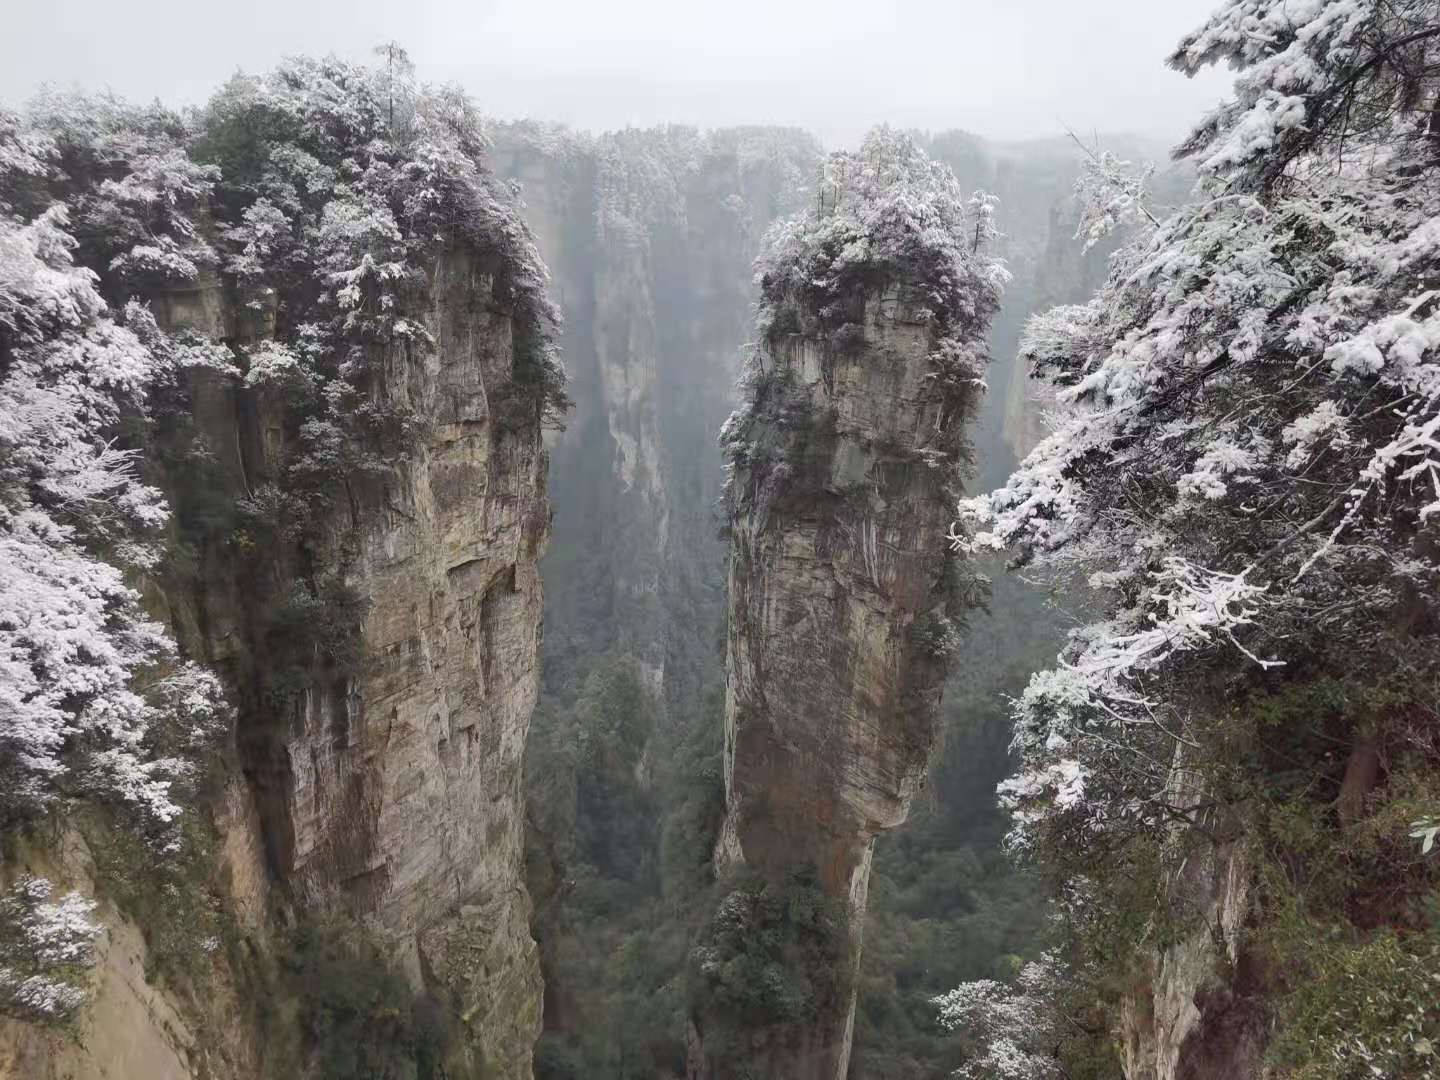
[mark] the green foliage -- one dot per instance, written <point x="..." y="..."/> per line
<point x="359" y="1017"/>
<point x="314" y="632"/>
<point x="772" y="954"/>
<point x="1362" y="1005"/>
<point x="170" y="895"/>
<point x="618" y="864"/>
<point x="535" y="396"/>
<point x="694" y="795"/>
<point x="588" y="775"/>
<point x="240" y="139"/>
<point x="323" y="619"/>
<point x="936" y="635"/>
<point x="1349" y="922"/>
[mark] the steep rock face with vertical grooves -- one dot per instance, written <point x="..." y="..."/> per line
<point x="395" y="795"/>
<point x="1198" y="1008"/>
<point x="340" y="396"/>
<point x="845" y="597"/>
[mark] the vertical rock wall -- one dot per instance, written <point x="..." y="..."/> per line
<point x="838" y="575"/>
<point x="846" y="598"/>
<point x="1198" y="1007"/>
<point x="395" y="795"/>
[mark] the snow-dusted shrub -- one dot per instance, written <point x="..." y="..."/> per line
<point x="137" y="191"/>
<point x="886" y="217"/>
<point x="1017" y="1026"/>
<point x="887" y="214"/>
<point x="45" y="951"/>
<point x="77" y="653"/>
<point x="341" y="199"/>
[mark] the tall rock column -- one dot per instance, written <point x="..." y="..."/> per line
<point x="366" y="534"/>
<point x="845" y="596"/>
<point x="393" y="794"/>
<point x="648" y="235"/>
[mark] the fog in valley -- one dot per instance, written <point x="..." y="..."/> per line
<point x="1002" y="70"/>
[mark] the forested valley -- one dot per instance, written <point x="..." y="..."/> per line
<point x="487" y="599"/>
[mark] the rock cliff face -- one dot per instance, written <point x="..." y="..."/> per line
<point x="1201" y="1012"/>
<point x="838" y="560"/>
<point x="131" y="1026"/>
<point x="436" y="725"/>
<point x="343" y="412"/>
<point x="394" y="794"/>
<point x="649" y="236"/>
<point x="838" y="549"/>
<point x="1198" y="1008"/>
<point x="844" y="594"/>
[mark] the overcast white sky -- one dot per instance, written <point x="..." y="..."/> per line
<point x="1001" y="68"/>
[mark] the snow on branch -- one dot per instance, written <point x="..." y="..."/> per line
<point x="78" y="656"/>
<point x="45" y="951"/>
<point x="1245" y="454"/>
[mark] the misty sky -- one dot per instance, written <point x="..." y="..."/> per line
<point x="1001" y="68"/>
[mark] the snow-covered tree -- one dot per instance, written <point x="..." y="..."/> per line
<point x="78" y="657"/>
<point x="1246" y="455"/>
<point x="885" y="217"/>
<point x="1111" y="194"/>
<point x="888" y="212"/>
<point x="45" y="950"/>
<point x="339" y="185"/>
<point x="137" y="190"/>
<point x="1245" y="469"/>
<point x="1017" y="1027"/>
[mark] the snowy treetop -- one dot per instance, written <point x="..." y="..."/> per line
<point x="1245" y="460"/>
<point x="330" y="184"/>
<point x="884" y="216"/>
<point x="1314" y="75"/>
<point x="890" y="212"/>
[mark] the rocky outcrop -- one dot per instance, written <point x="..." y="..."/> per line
<point x="406" y="797"/>
<point x="392" y="793"/>
<point x="132" y="1025"/>
<point x="1200" y="1009"/>
<point x="838" y="552"/>
<point x="340" y="397"/>
<point x="844" y="594"/>
<point x="837" y="575"/>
